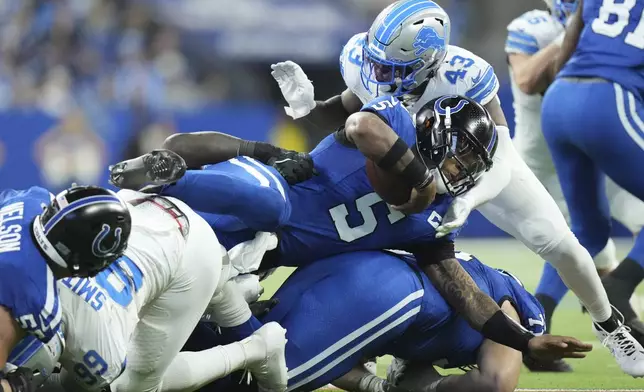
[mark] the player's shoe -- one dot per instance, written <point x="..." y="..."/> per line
<point x="628" y="352"/>
<point x="637" y="329"/>
<point x="537" y="366"/>
<point x="271" y="372"/>
<point x="159" y="167"/>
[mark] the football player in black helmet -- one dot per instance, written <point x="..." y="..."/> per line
<point x="459" y="137"/>
<point x="83" y="230"/>
<point x="43" y="238"/>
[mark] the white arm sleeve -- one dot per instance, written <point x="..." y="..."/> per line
<point x="493" y="182"/>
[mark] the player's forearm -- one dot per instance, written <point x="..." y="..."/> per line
<point x="203" y="148"/>
<point x="533" y="75"/>
<point x="573" y="31"/>
<point x="461" y="292"/>
<point x="329" y="114"/>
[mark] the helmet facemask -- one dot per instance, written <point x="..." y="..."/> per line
<point x="385" y="77"/>
<point x="459" y="157"/>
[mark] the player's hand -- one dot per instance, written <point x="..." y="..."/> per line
<point x="294" y="166"/>
<point x="418" y="200"/>
<point x="21" y="380"/>
<point x="551" y="347"/>
<point x="261" y="308"/>
<point x="296" y="88"/>
<point x="456" y="216"/>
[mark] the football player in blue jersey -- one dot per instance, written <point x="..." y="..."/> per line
<point x="454" y="133"/>
<point x="404" y="316"/>
<point x="79" y="232"/>
<point x="593" y="123"/>
<point x="407" y="54"/>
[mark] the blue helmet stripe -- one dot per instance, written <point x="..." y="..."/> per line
<point x="397" y="16"/>
<point x="76" y="205"/>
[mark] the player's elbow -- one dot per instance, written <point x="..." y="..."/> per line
<point x="361" y="126"/>
<point x="179" y="143"/>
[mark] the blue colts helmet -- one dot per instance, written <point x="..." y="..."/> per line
<point x="404" y="47"/>
<point x="84" y="229"/>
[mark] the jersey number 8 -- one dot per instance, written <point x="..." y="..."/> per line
<point x="621" y="12"/>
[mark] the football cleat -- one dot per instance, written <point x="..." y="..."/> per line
<point x="156" y="168"/>
<point x="628" y="352"/>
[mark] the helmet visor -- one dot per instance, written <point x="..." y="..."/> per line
<point x="385" y="76"/>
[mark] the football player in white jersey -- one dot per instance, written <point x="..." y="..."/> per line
<point x="406" y="53"/>
<point x="125" y="327"/>
<point x="533" y="42"/>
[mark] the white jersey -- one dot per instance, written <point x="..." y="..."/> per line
<point x="528" y="34"/>
<point x="101" y="313"/>
<point x="462" y="73"/>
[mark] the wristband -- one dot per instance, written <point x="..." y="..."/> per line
<point x="416" y="174"/>
<point x="261" y="151"/>
<point x="502" y="329"/>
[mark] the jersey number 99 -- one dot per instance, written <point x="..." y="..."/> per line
<point x="93" y="366"/>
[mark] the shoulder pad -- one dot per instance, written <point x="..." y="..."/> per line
<point x="471" y="75"/>
<point x="531" y="32"/>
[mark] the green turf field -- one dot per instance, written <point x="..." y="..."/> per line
<point x="596" y="372"/>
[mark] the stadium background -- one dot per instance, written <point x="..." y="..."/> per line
<point x="86" y="83"/>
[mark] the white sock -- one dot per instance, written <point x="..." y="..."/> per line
<point x="190" y="371"/>
<point x="577" y="270"/>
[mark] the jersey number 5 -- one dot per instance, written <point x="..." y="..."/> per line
<point x="364" y="205"/>
<point x="621" y="16"/>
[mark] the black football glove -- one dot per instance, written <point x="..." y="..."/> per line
<point x="261" y="308"/>
<point x="294" y="166"/>
<point x="21" y="380"/>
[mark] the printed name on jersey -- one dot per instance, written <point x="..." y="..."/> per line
<point x="10" y="226"/>
<point x="88" y="290"/>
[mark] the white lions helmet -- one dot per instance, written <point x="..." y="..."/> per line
<point x="562" y="9"/>
<point x="405" y="46"/>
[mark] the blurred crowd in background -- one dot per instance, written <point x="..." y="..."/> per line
<point x="77" y="61"/>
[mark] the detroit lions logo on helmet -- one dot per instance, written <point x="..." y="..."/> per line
<point x="427" y="38"/>
<point x="438" y="105"/>
<point x="97" y="245"/>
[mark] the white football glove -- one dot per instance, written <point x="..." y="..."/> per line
<point x="455" y="217"/>
<point x="296" y="88"/>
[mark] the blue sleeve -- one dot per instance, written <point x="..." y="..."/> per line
<point x="521" y="42"/>
<point x="30" y="293"/>
<point x="485" y="86"/>
<point x="392" y="112"/>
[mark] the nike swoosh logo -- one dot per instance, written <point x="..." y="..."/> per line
<point x="477" y="78"/>
<point x="283" y="160"/>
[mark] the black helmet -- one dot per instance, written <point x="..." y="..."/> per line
<point x="458" y="136"/>
<point x="84" y="229"/>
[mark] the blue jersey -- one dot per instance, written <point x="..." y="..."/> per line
<point x="455" y="343"/>
<point x="338" y="210"/>
<point x="27" y="284"/>
<point x="611" y="45"/>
